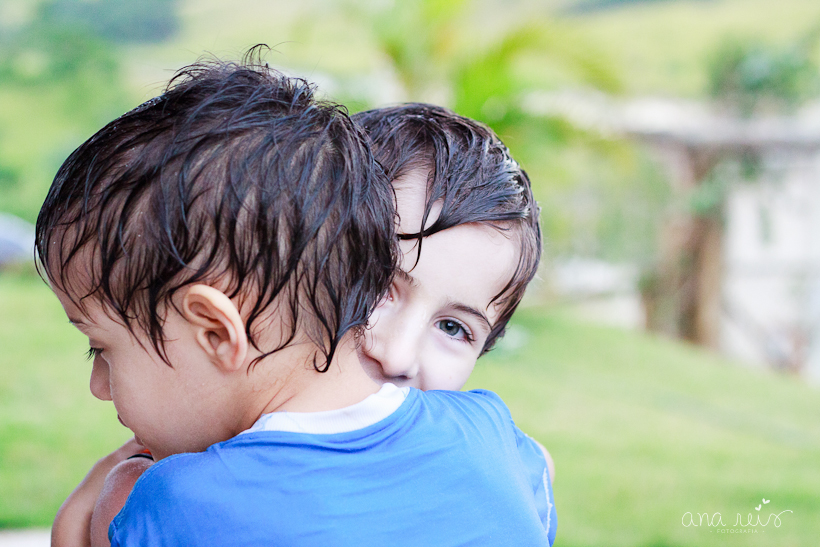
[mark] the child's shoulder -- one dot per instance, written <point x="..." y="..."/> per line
<point x="473" y="401"/>
<point x="168" y="478"/>
<point x="478" y="410"/>
<point x="177" y="485"/>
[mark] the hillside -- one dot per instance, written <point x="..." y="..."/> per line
<point x="642" y="429"/>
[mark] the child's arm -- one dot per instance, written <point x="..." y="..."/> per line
<point x="72" y="525"/>
<point x="118" y="485"/>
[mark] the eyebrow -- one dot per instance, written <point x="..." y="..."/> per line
<point x="472" y="311"/>
<point x="464" y="308"/>
<point x="77" y="322"/>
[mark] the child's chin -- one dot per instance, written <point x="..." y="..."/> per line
<point x="132" y="431"/>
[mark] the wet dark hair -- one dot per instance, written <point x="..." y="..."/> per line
<point x="235" y="176"/>
<point x="471" y="175"/>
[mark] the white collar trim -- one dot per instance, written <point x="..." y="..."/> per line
<point x="369" y="411"/>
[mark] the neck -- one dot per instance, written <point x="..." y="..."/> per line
<point x="291" y="383"/>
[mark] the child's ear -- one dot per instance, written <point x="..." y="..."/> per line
<point x="220" y="330"/>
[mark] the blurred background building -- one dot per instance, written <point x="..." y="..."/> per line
<point x="739" y="271"/>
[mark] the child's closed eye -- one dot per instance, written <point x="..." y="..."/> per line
<point x="92" y="353"/>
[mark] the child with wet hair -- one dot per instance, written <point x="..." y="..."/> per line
<point x="470" y="242"/>
<point x="450" y="172"/>
<point x="221" y="247"/>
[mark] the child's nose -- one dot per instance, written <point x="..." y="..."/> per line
<point x="399" y="354"/>
<point x="100" y="384"/>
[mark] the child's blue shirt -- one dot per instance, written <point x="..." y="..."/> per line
<point x="446" y="468"/>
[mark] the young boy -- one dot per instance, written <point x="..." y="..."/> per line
<point x="467" y="214"/>
<point x="219" y="246"/>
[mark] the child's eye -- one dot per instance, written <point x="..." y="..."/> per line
<point x="92" y="353"/>
<point x="453" y="328"/>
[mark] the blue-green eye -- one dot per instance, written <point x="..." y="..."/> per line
<point x="92" y="353"/>
<point x="454" y="329"/>
<point x="449" y="327"/>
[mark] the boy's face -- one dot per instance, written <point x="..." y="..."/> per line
<point x="430" y="329"/>
<point x="170" y="409"/>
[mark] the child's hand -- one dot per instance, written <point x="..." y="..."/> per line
<point x="72" y="525"/>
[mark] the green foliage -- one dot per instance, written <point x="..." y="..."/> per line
<point x="750" y="75"/>
<point x="418" y="36"/>
<point x="434" y="50"/>
<point x="710" y="195"/>
<point x="115" y="20"/>
<point x="68" y="41"/>
<point x="490" y="84"/>
<point x="68" y="80"/>
<point x="597" y="196"/>
<point x="46" y="54"/>
<point x="60" y="80"/>
<point x="8" y="178"/>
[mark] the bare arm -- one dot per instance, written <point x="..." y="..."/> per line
<point x="72" y="525"/>
<point x="115" y="491"/>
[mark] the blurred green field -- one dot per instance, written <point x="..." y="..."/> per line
<point x="642" y="430"/>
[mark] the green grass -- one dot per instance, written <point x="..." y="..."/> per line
<point x="51" y="428"/>
<point x="642" y="429"/>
